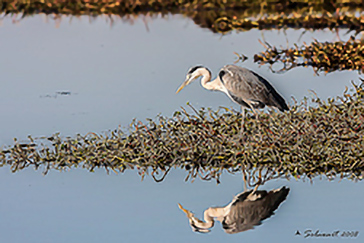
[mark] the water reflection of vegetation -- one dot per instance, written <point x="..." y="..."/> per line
<point x="246" y="210"/>
<point x="323" y="139"/>
<point x="125" y="6"/>
<point x="321" y="20"/>
<point x="217" y="15"/>
<point x="327" y="57"/>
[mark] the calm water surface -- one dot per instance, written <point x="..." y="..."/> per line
<point x="126" y="71"/>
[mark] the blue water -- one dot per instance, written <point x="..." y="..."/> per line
<point x="125" y="71"/>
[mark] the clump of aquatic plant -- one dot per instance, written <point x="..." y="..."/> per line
<point x="325" y="138"/>
<point x="217" y="15"/>
<point x="321" y="56"/>
<point x="76" y="7"/>
<point x="281" y="20"/>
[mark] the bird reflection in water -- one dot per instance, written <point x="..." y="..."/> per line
<point x="245" y="211"/>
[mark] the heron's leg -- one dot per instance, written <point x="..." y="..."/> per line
<point x="244" y="178"/>
<point x="255" y="113"/>
<point x="245" y="187"/>
<point x="253" y="197"/>
<point x="242" y="118"/>
<point x="259" y="181"/>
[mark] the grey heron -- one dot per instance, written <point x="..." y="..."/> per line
<point x="242" y="85"/>
<point x="245" y="211"/>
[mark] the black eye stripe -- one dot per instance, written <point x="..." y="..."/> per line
<point x="194" y="69"/>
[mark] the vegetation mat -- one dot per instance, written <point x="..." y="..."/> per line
<point x="323" y="138"/>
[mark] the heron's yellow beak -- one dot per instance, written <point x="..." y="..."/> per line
<point x="189" y="79"/>
<point x="182" y="86"/>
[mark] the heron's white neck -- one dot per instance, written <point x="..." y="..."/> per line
<point x="213" y="85"/>
<point x="209" y="222"/>
<point x="218" y="212"/>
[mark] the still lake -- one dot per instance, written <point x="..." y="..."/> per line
<point x="112" y="74"/>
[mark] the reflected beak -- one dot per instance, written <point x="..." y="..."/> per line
<point x="194" y="222"/>
<point x="188" y="213"/>
<point x="185" y="83"/>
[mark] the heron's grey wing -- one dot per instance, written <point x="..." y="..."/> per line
<point x="272" y="201"/>
<point x="275" y="98"/>
<point x="241" y="216"/>
<point x="241" y="197"/>
<point x="245" y="86"/>
<point x="244" y="215"/>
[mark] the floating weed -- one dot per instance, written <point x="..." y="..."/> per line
<point x="305" y="142"/>
<point x="321" y="56"/>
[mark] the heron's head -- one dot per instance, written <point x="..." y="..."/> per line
<point x="196" y="224"/>
<point x="192" y="74"/>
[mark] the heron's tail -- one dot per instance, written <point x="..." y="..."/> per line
<point x="278" y="101"/>
<point x="280" y="195"/>
<point x="275" y="99"/>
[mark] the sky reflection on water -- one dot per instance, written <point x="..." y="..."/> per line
<point x="119" y="73"/>
<point x="79" y="206"/>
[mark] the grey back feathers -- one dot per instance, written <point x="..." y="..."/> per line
<point x="249" y="89"/>
<point x="278" y="100"/>
<point x="245" y="214"/>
